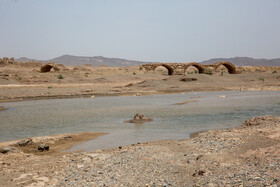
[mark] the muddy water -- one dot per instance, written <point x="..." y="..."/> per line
<point x="106" y="114"/>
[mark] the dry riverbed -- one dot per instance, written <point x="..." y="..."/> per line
<point x="248" y="155"/>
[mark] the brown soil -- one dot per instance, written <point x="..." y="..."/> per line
<point x="18" y="83"/>
<point x="57" y="143"/>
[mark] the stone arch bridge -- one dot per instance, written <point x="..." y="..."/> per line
<point x="178" y="68"/>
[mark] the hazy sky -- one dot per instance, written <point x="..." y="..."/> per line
<point x="146" y="30"/>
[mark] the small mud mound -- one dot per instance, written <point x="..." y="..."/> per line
<point x="138" y="119"/>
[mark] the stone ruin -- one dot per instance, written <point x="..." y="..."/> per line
<point x="5" y="61"/>
<point x="180" y="68"/>
<point x="52" y="66"/>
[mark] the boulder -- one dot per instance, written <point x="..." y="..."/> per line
<point x="5" y="150"/>
<point x="25" y="142"/>
<point x="43" y="147"/>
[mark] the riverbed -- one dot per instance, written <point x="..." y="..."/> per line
<point x="174" y="116"/>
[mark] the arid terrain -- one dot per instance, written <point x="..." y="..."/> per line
<point x="25" y="81"/>
<point x="247" y="155"/>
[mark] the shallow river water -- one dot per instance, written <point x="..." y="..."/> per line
<point x="106" y="114"/>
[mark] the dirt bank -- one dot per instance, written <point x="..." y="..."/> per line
<point x="28" y="83"/>
<point x="57" y="143"/>
<point x="248" y="155"/>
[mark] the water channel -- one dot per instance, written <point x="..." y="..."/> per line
<point x="212" y="110"/>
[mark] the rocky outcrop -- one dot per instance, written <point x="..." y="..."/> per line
<point x="260" y="120"/>
<point x="6" y="61"/>
<point x="11" y="62"/>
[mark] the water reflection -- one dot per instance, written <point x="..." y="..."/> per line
<point x="106" y="114"/>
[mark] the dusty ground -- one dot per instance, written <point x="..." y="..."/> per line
<point x="248" y="155"/>
<point x="17" y="83"/>
<point x="243" y="156"/>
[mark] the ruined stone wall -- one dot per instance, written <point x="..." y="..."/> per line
<point x="180" y="68"/>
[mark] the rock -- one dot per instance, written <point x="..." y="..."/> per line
<point x="129" y="85"/>
<point x="92" y="97"/>
<point x="6" y="60"/>
<point x="24" y="142"/>
<point x="44" y="179"/>
<point x="259" y="120"/>
<point x="43" y="147"/>
<point x="199" y="172"/>
<point x="137" y="94"/>
<point x="22" y="176"/>
<point x="199" y="157"/>
<point x="138" y="118"/>
<point x="6" y="149"/>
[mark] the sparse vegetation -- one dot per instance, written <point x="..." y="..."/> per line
<point x="258" y="70"/>
<point x="49" y="87"/>
<point x="208" y="72"/>
<point x="274" y="72"/>
<point x="60" y="76"/>
<point x="261" y="79"/>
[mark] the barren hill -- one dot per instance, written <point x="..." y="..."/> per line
<point x="103" y="61"/>
<point x="81" y="60"/>
<point x="246" y="61"/>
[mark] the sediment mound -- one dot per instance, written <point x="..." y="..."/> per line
<point x="138" y="119"/>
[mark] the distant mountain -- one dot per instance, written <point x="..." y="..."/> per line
<point x="103" y="61"/>
<point x="81" y="60"/>
<point x="245" y="61"/>
<point x="23" y="59"/>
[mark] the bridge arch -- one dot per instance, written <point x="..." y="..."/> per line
<point x="169" y="68"/>
<point x="46" y="68"/>
<point x="199" y="67"/>
<point x="230" y="67"/>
